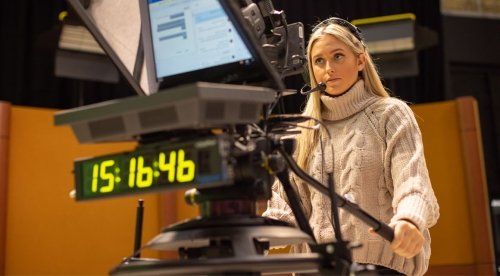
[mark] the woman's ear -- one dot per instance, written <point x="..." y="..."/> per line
<point x="361" y="61"/>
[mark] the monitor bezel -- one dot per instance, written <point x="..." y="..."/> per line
<point x="259" y="73"/>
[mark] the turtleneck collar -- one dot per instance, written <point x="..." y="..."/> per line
<point x="347" y="104"/>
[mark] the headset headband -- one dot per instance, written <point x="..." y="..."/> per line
<point x="339" y="21"/>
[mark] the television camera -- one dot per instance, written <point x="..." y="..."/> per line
<point x="282" y="43"/>
<point x="215" y="135"/>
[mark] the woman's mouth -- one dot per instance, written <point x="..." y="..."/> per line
<point x="332" y="80"/>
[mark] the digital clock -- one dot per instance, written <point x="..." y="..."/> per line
<point x="198" y="163"/>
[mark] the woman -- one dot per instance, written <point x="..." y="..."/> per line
<point x="377" y="160"/>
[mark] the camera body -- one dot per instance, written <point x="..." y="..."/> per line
<point x="282" y="43"/>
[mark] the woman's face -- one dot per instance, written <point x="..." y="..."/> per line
<point x="335" y="64"/>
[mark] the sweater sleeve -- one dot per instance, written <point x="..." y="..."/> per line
<point x="413" y="196"/>
<point x="278" y="206"/>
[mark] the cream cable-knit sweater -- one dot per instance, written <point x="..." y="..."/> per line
<point x="378" y="163"/>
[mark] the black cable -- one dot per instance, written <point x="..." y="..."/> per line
<point x="335" y="210"/>
<point x="273" y="104"/>
<point x="335" y="220"/>
<point x="381" y="228"/>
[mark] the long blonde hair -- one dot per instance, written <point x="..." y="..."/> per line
<point x="306" y="140"/>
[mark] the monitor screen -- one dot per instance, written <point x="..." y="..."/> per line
<point x="195" y="40"/>
<point x="193" y="35"/>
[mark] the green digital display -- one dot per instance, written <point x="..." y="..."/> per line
<point x="199" y="163"/>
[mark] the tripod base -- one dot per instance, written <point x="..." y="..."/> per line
<point x="303" y="263"/>
<point x="243" y="232"/>
<point x="234" y="245"/>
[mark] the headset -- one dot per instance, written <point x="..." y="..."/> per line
<point x="355" y="31"/>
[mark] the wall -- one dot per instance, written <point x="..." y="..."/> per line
<point x="4" y="151"/>
<point x="47" y="231"/>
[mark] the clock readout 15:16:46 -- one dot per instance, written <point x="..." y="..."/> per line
<point x="141" y="171"/>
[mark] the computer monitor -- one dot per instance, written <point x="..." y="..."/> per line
<point x="187" y="41"/>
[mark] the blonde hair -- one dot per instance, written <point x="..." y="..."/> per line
<point x="306" y="140"/>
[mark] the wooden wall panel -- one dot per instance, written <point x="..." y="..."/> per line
<point x="4" y="151"/>
<point x="48" y="232"/>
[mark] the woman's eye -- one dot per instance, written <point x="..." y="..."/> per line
<point x="338" y="57"/>
<point x="319" y="61"/>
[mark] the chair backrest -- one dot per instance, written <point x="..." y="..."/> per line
<point x="462" y="240"/>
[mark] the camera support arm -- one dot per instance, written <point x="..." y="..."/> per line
<point x="379" y="227"/>
<point x="295" y="205"/>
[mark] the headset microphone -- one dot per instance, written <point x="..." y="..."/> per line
<point x="320" y="87"/>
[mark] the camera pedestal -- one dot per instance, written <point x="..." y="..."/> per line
<point x="227" y="245"/>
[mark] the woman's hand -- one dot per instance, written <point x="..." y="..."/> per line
<point x="408" y="240"/>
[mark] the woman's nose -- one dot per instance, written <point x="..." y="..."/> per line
<point x="329" y="68"/>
